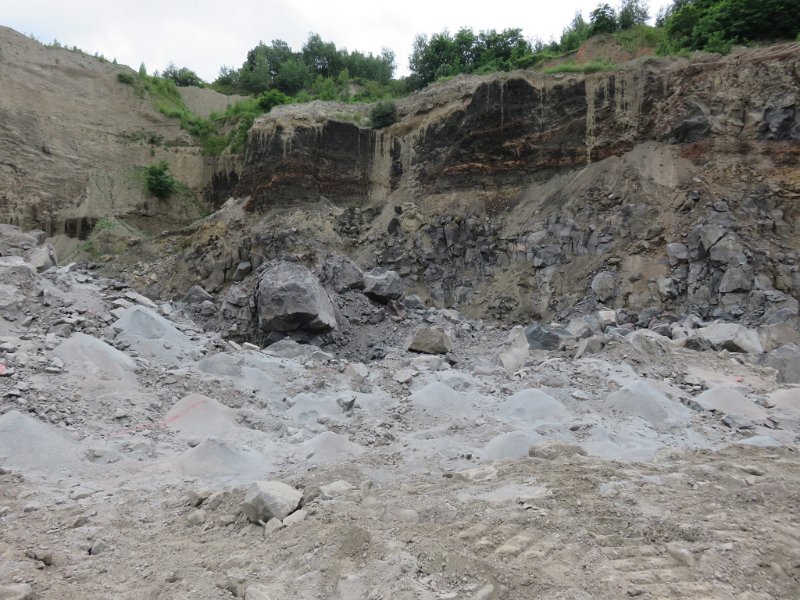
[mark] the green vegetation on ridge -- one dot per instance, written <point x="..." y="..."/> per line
<point x="275" y="74"/>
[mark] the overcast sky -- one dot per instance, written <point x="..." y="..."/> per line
<point x="204" y="35"/>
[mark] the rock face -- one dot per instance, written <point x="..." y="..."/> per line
<point x="267" y="500"/>
<point x="290" y="298"/>
<point x="66" y="166"/>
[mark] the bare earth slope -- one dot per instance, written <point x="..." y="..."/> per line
<point x="70" y="133"/>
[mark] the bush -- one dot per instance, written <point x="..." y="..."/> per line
<point x="160" y="182"/>
<point x="384" y="113"/>
<point x="126" y="78"/>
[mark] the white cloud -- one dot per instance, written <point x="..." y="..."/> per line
<point x="204" y="35"/>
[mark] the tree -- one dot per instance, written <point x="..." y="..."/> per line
<point x="575" y="34"/>
<point x="293" y="75"/>
<point x="182" y="77"/>
<point x="602" y="19"/>
<point x="716" y="24"/>
<point x="384" y="113"/>
<point x="322" y="58"/>
<point x="159" y="181"/>
<point x="632" y="13"/>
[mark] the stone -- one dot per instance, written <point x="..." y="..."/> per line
<point x="607" y="318"/>
<point x="591" y="345"/>
<point x="267" y="500"/>
<point x="732" y="337"/>
<point x="603" y="286"/>
<point x="258" y="592"/>
<point x="430" y="340"/>
<point x="197" y="497"/>
<point x="727" y="251"/>
<point x="243" y="269"/>
<point x="197" y="517"/>
<point x="357" y="372"/>
<point x="725" y="400"/>
<point x="545" y="337"/>
<point x="98" y="547"/>
<point x="786" y="360"/>
<point x="583" y="327"/>
<point x="207" y="308"/>
<point x="296" y="517"/>
<point x="42" y="258"/>
<point x="18" y="591"/>
<point x="737" y="278"/>
<point x="197" y="295"/>
<point x="289" y="298"/>
<point x="677" y="254"/>
<point x="343" y="274"/>
<point x="383" y="286"/>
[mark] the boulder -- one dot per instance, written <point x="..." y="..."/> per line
<point x="786" y="360"/>
<point x="603" y="286"/>
<point x="584" y="326"/>
<point x="383" y="286"/>
<point x="737" y="278"/>
<point x="607" y="318"/>
<point x="727" y="251"/>
<point x="42" y="258"/>
<point x="545" y="337"/>
<point x="267" y="500"/>
<point x="430" y="340"/>
<point x="343" y="274"/>
<point x="591" y="345"/>
<point x="726" y="400"/>
<point x="732" y="337"/>
<point x="516" y="352"/>
<point x="197" y="295"/>
<point x="677" y="254"/>
<point x="290" y="298"/>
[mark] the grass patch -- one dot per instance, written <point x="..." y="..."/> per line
<point x="640" y="37"/>
<point x="590" y="67"/>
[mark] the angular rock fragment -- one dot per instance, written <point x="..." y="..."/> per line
<point x="732" y="337"/>
<point x="383" y="286"/>
<point x="267" y="500"/>
<point x="430" y="340"/>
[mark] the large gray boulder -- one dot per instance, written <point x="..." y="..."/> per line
<point x="291" y="298"/>
<point x="732" y="337"/>
<point x="267" y="500"/>
<point x="383" y="286"/>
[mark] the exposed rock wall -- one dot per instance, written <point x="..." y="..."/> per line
<point x="494" y="135"/>
<point x="539" y="195"/>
